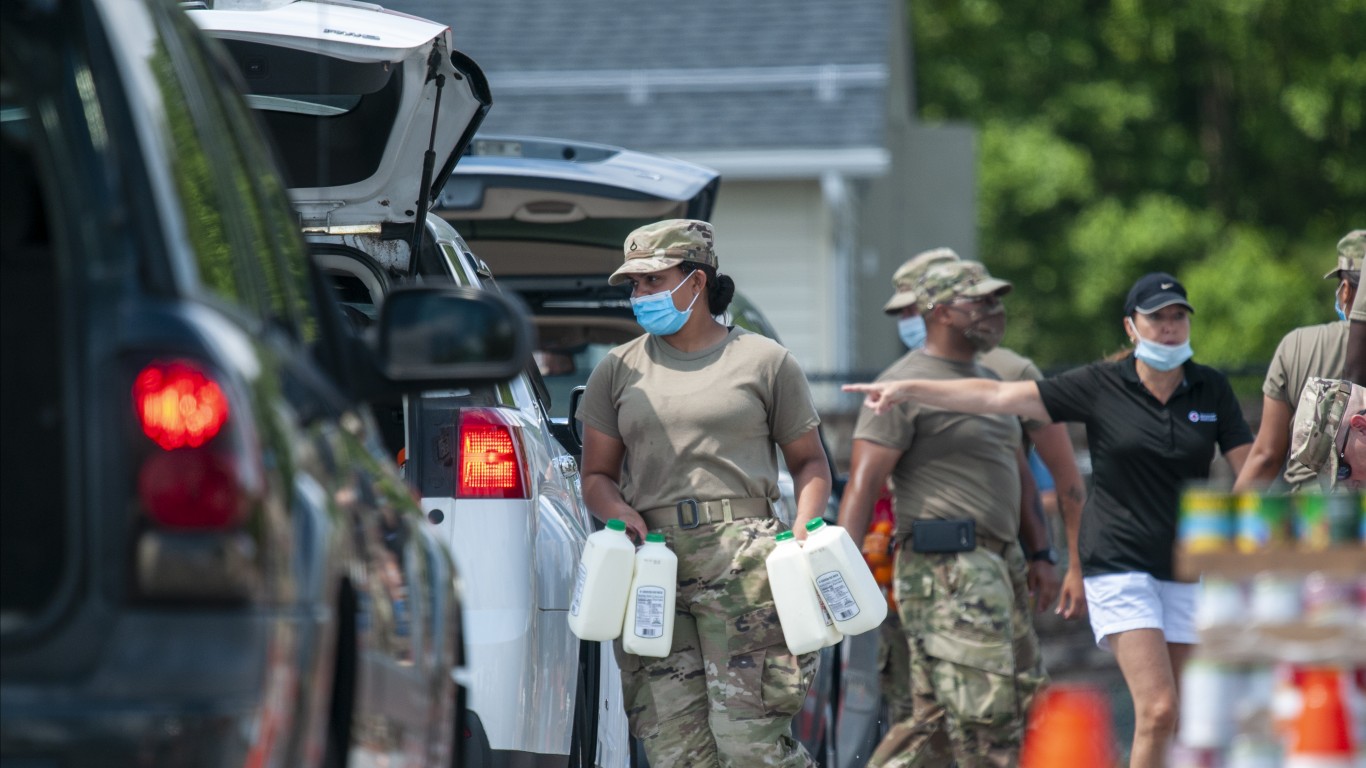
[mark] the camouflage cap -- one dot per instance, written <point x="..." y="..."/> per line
<point x="955" y="279"/>
<point x="665" y="244"/>
<point x="1351" y="252"/>
<point x="907" y="275"/>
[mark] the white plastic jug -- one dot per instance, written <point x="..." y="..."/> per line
<point x="806" y="624"/>
<point x="599" y="603"/>
<point x="649" y="627"/>
<point x="845" y="583"/>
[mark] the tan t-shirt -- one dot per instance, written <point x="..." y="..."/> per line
<point x="1013" y="366"/>
<point x="1314" y="350"/>
<point x="699" y="425"/>
<point x="953" y="465"/>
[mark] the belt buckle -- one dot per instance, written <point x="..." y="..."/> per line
<point x="678" y="509"/>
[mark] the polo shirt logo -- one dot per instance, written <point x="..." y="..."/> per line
<point x="1196" y="416"/>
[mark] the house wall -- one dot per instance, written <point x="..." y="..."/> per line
<point x="776" y="239"/>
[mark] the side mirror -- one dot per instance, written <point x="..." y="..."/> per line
<point x="439" y="336"/>
<point x="575" y="395"/>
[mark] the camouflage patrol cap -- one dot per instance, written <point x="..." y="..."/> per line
<point x="1351" y="252"/>
<point x="907" y="275"/>
<point x="955" y="279"/>
<point x="665" y="244"/>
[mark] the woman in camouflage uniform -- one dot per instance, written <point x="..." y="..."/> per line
<point x="679" y="433"/>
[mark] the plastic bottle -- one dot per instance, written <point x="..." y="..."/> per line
<point x="806" y="624"/>
<point x="649" y="627"/>
<point x="846" y="586"/>
<point x="599" y="603"/>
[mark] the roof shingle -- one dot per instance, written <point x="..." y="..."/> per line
<point x="667" y="76"/>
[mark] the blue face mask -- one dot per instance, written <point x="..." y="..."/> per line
<point x="1337" y="306"/>
<point x="657" y="314"/>
<point x="912" y="331"/>
<point x="1161" y="356"/>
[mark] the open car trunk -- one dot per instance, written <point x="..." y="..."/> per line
<point x="355" y="97"/>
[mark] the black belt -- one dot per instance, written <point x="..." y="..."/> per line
<point x="984" y="541"/>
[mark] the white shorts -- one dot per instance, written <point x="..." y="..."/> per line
<point x="1119" y="602"/>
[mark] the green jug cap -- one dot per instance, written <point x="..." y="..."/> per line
<point x="783" y="535"/>
<point x="616" y="525"/>
<point x="657" y="538"/>
<point x="815" y="524"/>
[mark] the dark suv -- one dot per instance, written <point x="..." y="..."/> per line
<point x="205" y="557"/>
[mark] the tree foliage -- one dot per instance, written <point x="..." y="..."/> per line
<point x="1220" y="140"/>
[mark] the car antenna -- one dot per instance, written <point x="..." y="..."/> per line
<point x="428" y="161"/>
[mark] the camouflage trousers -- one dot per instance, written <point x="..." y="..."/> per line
<point x="894" y="666"/>
<point x="727" y="692"/>
<point x="974" y="658"/>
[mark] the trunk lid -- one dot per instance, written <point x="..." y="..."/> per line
<point x="354" y="97"/>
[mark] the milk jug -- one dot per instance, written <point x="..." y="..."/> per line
<point x="846" y="586"/>
<point x="649" y="627"/>
<point x="599" y="603"/>
<point x="806" y="624"/>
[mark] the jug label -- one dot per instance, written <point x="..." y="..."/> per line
<point x="578" y="590"/>
<point x="837" y="596"/>
<point x="649" y="611"/>
<point x="825" y="614"/>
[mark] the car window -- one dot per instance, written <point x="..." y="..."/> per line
<point x="564" y="369"/>
<point x="249" y="252"/>
<point x="35" y="328"/>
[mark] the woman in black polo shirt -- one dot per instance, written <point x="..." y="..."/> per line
<point x="1153" y="419"/>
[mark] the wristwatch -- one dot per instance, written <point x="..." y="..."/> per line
<point x="1047" y="553"/>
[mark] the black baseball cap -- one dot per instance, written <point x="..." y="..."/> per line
<point x="1154" y="291"/>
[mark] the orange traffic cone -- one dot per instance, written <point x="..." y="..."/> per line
<point x="1069" y="725"/>
<point x="1321" y="737"/>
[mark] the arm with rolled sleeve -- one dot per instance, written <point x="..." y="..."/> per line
<point x="1267" y="454"/>
<point x="792" y="422"/>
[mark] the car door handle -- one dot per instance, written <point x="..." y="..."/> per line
<point x="567" y="466"/>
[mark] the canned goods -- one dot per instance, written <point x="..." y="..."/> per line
<point x="1207" y="720"/>
<point x="1206" y="521"/>
<point x="1343" y="512"/>
<point x="1250" y="750"/>
<point x="1264" y="522"/>
<point x="1219" y="603"/>
<point x="1275" y="599"/>
<point x="1328" y="601"/>
<point x="1311" y="521"/>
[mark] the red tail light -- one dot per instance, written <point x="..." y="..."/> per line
<point x="490" y="458"/>
<point x="178" y="405"/>
<point x="191" y="481"/>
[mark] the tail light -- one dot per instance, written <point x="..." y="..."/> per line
<point x="195" y="477"/>
<point x="490" y="459"/>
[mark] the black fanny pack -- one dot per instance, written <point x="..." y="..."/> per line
<point x="936" y="536"/>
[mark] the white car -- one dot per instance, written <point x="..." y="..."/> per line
<point x="331" y="80"/>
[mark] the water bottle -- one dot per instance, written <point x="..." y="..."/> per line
<point x="649" y="627"/>
<point x="845" y="584"/>
<point x="806" y="624"/>
<point x="599" y="603"/>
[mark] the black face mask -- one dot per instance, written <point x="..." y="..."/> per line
<point x="983" y="338"/>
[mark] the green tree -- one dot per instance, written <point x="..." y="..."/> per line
<point x="1220" y="140"/>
